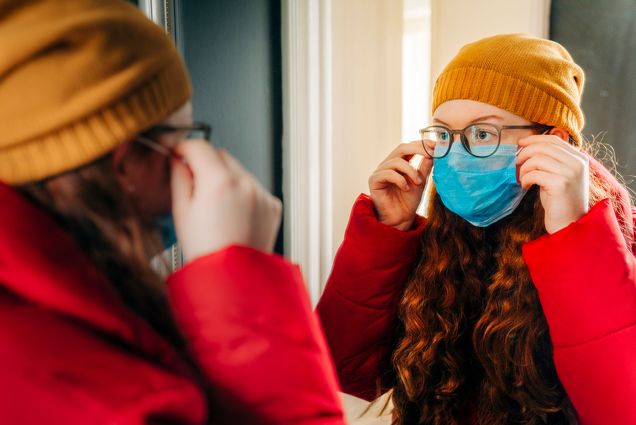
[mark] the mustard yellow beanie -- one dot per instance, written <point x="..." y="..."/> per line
<point x="78" y="77"/>
<point x="528" y="76"/>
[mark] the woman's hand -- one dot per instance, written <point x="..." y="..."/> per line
<point x="216" y="202"/>
<point x="562" y="173"/>
<point x="396" y="186"/>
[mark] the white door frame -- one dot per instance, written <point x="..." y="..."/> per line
<point x="307" y="141"/>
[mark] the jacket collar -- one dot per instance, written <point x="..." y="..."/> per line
<point x="43" y="265"/>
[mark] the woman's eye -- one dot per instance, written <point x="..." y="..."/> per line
<point x="444" y="137"/>
<point x="481" y="135"/>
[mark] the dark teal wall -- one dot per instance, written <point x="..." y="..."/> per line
<point x="232" y="48"/>
<point x="233" y="51"/>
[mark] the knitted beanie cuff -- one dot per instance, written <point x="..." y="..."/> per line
<point x="509" y="93"/>
<point x="96" y="134"/>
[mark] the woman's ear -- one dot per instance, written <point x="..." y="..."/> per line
<point x="120" y="169"/>
<point x="560" y="133"/>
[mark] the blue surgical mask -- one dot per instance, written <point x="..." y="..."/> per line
<point x="168" y="232"/>
<point x="480" y="190"/>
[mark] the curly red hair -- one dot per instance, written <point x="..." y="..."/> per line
<point x="472" y="333"/>
<point x="473" y="328"/>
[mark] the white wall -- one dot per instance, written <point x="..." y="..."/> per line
<point x="416" y="67"/>
<point x="366" y="96"/>
<point x="458" y="22"/>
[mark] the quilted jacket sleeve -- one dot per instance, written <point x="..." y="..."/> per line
<point x="249" y="324"/>
<point x="585" y="275"/>
<point x="359" y="306"/>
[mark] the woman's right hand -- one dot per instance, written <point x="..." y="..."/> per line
<point x="397" y="187"/>
<point x="217" y="203"/>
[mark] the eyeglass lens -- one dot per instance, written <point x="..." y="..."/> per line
<point x="480" y="140"/>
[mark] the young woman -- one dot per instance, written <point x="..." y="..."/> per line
<point x="94" y="113"/>
<point x="514" y="301"/>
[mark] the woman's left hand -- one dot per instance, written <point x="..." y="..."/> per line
<point x="562" y="173"/>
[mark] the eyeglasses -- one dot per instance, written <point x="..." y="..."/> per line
<point x="480" y="139"/>
<point x="197" y="130"/>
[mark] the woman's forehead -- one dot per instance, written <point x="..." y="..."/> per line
<point x="459" y="112"/>
<point x="182" y="116"/>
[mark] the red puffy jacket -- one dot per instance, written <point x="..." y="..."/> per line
<point x="585" y="275"/>
<point x="72" y="353"/>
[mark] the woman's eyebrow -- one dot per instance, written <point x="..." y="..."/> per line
<point x="487" y="117"/>
<point x="478" y="119"/>
<point x="437" y="121"/>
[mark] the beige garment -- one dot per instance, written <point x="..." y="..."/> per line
<point x="355" y="410"/>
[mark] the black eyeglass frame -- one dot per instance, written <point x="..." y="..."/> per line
<point x="464" y="139"/>
<point x="196" y="126"/>
<point x="145" y="139"/>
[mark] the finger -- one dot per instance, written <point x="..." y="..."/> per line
<point x="543" y="179"/>
<point x="270" y="220"/>
<point x="425" y="166"/>
<point x="407" y="150"/>
<point x="200" y="156"/>
<point x="276" y="207"/>
<point x="385" y="178"/>
<point x="181" y="185"/>
<point x="261" y="195"/>
<point x="549" y="138"/>
<point x="403" y="167"/>
<point x="233" y="165"/>
<point x="542" y="163"/>
<point x="570" y="165"/>
<point x="555" y="151"/>
<point x="238" y="171"/>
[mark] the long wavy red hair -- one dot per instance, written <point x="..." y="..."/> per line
<point x="473" y="335"/>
